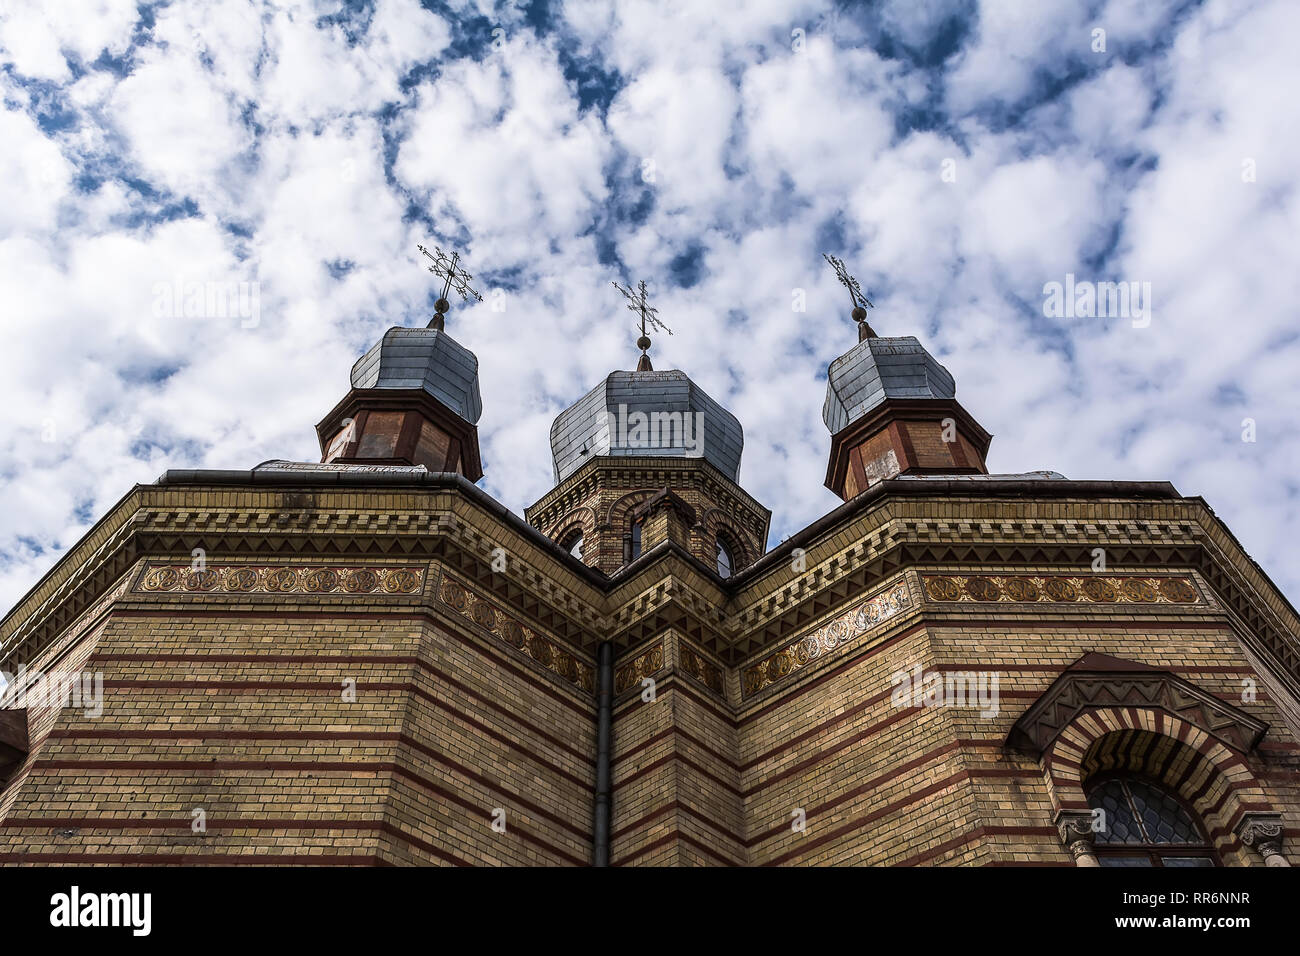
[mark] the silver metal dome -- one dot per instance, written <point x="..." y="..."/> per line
<point x="877" y="369"/>
<point x="646" y="414"/>
<point x="423" y="358"/>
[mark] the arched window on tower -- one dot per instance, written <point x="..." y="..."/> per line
<point x="572" y="542"/>
<point x="726" y="557"/>
<point x="1146" y="825"/>
<point x="636" y="541"/>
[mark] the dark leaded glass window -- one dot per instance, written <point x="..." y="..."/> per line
<point x="1146" y="825"/>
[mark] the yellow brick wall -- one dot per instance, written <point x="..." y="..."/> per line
<point x="677" y="794"/>
<point x="240" y="711"/>
<point x="234" y="704"/>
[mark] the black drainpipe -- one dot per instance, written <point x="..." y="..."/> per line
<point x="604" y="734"/>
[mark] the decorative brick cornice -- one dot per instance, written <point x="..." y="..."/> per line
<point x="905" y="535"/>
<point x="328" y="525"/>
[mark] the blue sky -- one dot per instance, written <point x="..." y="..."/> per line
<point x="959" y="155"/>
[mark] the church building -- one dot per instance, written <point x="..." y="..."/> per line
<point x="368" y="660"/>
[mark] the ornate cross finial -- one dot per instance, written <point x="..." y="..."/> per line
<point x="455" y="278"/>
<point x="638" y="302"/>
<point x="860" y="301"/>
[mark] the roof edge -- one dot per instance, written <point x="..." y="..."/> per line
<point x="954" y="488"/>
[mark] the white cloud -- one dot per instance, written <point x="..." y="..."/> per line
<point x="34" y="176"/>
<point x="305" y="147"/>
<point x="35" y="35"/>
<point x="1016" y="44"/>
<point x="502" y="143"/>
<point x="184" y="129"/>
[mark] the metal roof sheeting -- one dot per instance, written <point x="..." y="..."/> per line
<point x="427" y="359"/>
<point x="603" y="422"/>
<point x="877" y="369"/>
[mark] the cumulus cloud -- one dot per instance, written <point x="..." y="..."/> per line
<point x="959" y="154"/>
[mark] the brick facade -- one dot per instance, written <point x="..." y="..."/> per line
<point x="352" y="677"/>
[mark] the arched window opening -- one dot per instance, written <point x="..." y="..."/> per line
<point x="636" y="541"/>
<point x="726" y="558"/>
<point x="1142" y="824"/>
<point x="572" y="542"/>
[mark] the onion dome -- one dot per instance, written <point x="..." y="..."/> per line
<point x="414" y="401"/>
<point x="423" y="358"/>
<point x="646" y="414"/>
<point x="878" y="369"/>
<point x="892" y="410"/>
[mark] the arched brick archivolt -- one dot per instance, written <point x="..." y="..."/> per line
<point x="619" y="514"/>
<point x="1216" y="781"/>
<point x="716" y="521"/>
<point x="1106" y="714"/>
<point x="582" y="520"/>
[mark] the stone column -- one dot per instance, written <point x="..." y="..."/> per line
<point x="1262" y="832"/>
<point x="1075" y="828"/>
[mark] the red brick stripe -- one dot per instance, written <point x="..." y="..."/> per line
<point x="865" y="787"/>
<point x="685" y="808"/>
<point x="529" y="752"/>
<point x="677" y="836"/>
<point x="976" y="834"/>
<point x="573" y="699"/>
<point x="228" y="823"/>
<point x="204" y="733"/>
<point x="194" y="859"/>
<point x="669" y="685"/>
<point x="858" y="824"/>
<point x="675" y="732"/>
<point x="673" y="757"/>
<point x="342" y="661"/>
<point x="240" y="686"/>
<point x="376" y="767"/>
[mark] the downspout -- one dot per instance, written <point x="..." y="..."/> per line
<point x="604" y="735"/>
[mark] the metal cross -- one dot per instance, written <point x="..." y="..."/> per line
<point x="855" y="291"/>
<point x="455" y="278"/>
<point x="637" y="302"/>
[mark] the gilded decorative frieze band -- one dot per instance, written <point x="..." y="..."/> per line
<point x="518" y="636"/>
<point x="839" y="632"/>
<point x="1082" y="589"/>
<point x="648" y="662"/>
<point x="247" y="579"/>
<point x="699" y="667"/>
